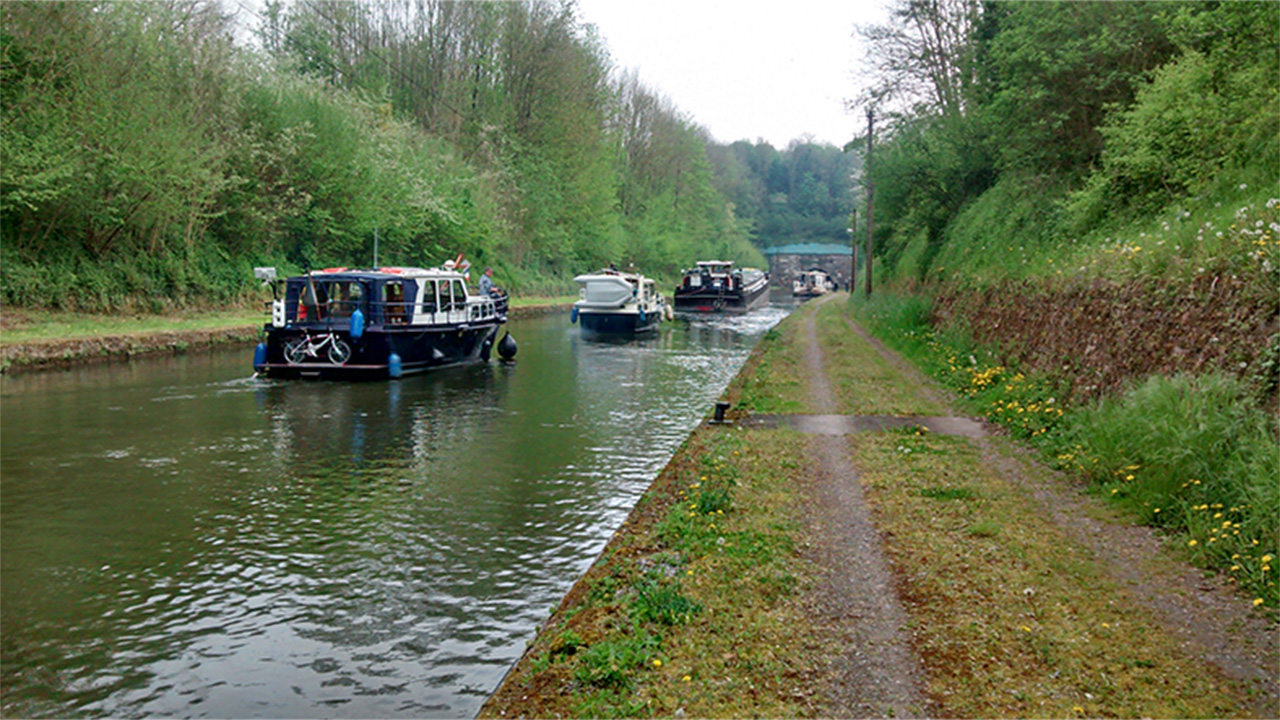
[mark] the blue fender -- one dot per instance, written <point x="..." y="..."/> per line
<point x="260" y="357"/>
<point x="573" y="315"/>
<point x="395" y="366"/>
<point x="357" y="324"/>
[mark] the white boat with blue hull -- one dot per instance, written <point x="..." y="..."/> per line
<point x="387" y="322"/>
<point x="618" y="303"/>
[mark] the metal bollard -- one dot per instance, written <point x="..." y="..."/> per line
<point x="721" y="406"/>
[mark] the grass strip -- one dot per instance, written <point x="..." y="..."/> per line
<point x="25" y="326"/>
<point x="694" y="607"/>
<point x="863" y="381"/>
<point x="773" y="378"/>
<point x="1011" y="618"/>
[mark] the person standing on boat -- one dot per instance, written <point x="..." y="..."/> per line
<point x="486" y="282"/>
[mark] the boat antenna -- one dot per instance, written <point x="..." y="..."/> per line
<point x="375" y="248"/>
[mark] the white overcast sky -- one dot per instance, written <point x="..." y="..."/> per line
<point x="745" y="69"/>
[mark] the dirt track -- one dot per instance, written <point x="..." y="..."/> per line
<point x="879" y="675"/>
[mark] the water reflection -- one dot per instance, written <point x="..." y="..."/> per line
<point x="181" y="540"/>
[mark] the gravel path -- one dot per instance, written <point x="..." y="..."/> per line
<point x="878" y="675"/>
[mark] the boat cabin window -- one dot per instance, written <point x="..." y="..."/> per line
<point x="430" y="297"/>
<point x="459" y="295"/>
<point x="395" y="304"/>
<point x="317" y="300"/>
<point x="303" y="302"/>
<point x="344" y="296"/>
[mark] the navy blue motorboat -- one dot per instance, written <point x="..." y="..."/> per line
<point x="344" y="323"/>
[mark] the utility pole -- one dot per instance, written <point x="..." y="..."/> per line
<point x="871" y="192"/>
<point x="853" y="247"/>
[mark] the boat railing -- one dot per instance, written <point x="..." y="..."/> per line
<point x="394" y="312"/>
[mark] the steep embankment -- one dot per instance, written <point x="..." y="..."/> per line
<point x="1101" y="336"/>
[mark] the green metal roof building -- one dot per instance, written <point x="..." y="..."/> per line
<point x="809" y="249"/>
<point x="787" y="261"/>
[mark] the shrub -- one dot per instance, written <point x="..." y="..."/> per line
<point x="1196" y="456"/>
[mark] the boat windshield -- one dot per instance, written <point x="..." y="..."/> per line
<point x="317" y="299"/>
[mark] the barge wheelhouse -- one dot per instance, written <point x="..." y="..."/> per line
<point x="343" y="323"/>
<point x="618" y="303"/>
<point x="716" y="286"/>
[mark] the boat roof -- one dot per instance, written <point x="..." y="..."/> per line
<point x="386" y="273"/>
<point x="701" y="263"/>
<point x="611" y="276"/>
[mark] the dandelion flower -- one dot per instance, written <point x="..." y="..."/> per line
<point x="657" y="662"/>
<point x="686" y="678"/>
<point x="1257" y="602"/>
<point x="1266" y="558"/>
<point x="1193" y="543"/>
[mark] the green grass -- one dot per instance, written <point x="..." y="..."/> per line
<point x="1012" y="618"/>
<point x="771" y="382"/>
<point x="688" y="609"/>
<point x="864" y="382"/>
<point x="700" y="605"/>
<point x="44" y="326"/>
<point x="23" y="326"/>
<point x="1233" y="231"/>
<point x="1194" y="456"/>
<point x="538" y="301"/>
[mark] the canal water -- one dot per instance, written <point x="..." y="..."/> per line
<point x="180" y="539"/>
